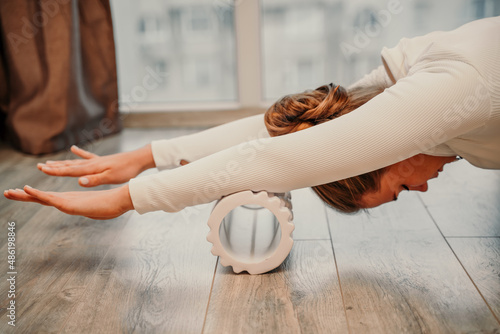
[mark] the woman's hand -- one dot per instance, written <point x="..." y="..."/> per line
<point x="94" y="170"/>
<point x="103" y="204"/>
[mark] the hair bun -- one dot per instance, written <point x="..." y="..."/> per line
<point x="300" y="111"/>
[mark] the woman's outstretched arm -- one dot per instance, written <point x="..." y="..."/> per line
<point x="169" y="153"/>
<point x="94" y="170"/>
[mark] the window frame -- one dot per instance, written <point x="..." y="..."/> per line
<point x="248" y="69"/>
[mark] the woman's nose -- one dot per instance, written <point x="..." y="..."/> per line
<point x="422" y="187"/>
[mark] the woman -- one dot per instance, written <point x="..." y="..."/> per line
<point x="434" y="98"/>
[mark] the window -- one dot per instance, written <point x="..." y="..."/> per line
<point x="248" y="53"/>
<point x="340" y="41"/>
<point x="174" y="52"/>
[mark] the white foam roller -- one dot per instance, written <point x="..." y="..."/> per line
<point x="252" y="231"/>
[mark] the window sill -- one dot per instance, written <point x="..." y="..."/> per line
<point x="187" y="117"/>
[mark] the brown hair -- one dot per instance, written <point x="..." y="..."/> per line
<point x="300" y="111"/>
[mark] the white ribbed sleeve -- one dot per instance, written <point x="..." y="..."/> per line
<point x="389" y="128"/>
<point x="168" y="153"/>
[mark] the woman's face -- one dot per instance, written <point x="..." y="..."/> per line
<point x="410" y="174"/>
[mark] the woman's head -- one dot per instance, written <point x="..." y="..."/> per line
<point x="409" y="174"/>
<point x="300" y="111"/>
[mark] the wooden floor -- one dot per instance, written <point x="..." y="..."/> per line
<point x="429" y="263"/>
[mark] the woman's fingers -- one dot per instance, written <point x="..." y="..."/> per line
<point x="97" y="179"/>
<point x="82" y="153"/>
<point x="21" y="195"/>
<point x="55" y="199"/>
<point x="71" y="170"/>
<point x="64" y="163"/>
<point x="42" y="196"/>
<point x="76" y="150"/>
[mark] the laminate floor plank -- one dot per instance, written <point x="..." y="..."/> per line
<point x="56" y="280"/>
<point x="52" y="250"/>
<point x="300" y="296"/>
<point x="9" y="157"/>
<point x="16" y="176"/>
<point x="465" y="201"/>
<point x="398" y="275"/>
<point x="309" y="215"/>
<point x="155" y="279"/>
<point x="481" y="259"/>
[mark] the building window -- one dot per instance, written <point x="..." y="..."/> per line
<point x="174" y="52"/>
<point x="179" y="51"/>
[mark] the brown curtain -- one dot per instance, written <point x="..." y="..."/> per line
<point x="58" y="82"/>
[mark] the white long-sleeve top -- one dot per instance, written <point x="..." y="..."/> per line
<point x="443" y="98"/>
